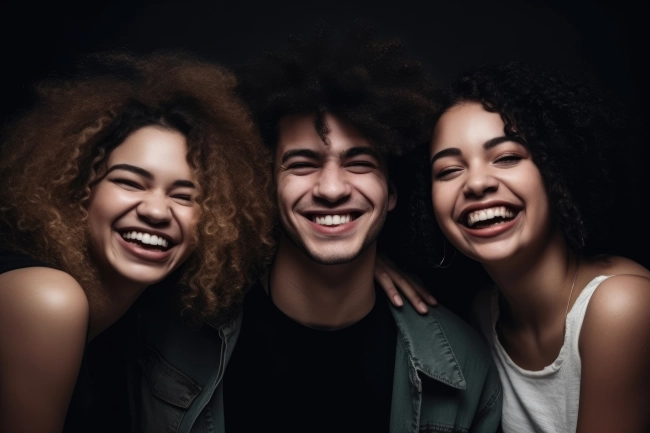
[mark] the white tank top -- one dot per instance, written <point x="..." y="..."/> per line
<point x="545" y="400"/>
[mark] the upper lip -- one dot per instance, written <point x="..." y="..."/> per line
<point x="150" y="231"/>
<point x="320" y="212"/>
<point x="485" y="205"/>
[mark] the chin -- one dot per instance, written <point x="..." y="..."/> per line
<point x="141" y="275"/>
<point x="492" y="254"/>
<point x="333" y="256"/>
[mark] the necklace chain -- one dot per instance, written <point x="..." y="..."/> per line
<point x="575" y="275"/>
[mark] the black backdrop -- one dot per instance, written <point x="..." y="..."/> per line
<point x="602" y="42"/>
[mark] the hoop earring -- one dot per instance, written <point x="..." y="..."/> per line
<point x="444" y="255"/>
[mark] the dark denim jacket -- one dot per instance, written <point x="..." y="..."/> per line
<point x="444" y="378"/>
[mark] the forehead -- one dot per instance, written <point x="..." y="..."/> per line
<point x="153" y="148"/>
<point x="299" y="131"/>
<point x="466" y="124"/>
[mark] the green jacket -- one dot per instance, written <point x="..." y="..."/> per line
<point x="444" y="379"/>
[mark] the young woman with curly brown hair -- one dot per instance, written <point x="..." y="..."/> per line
<point x="112" y="183"/>
<point x="519" y="163"/>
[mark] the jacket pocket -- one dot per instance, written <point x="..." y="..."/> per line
<point x="166" y="393"/>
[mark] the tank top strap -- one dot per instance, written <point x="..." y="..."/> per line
<point x="577" y="313"/>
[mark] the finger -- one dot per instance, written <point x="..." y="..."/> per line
<point x="409" y="291"/>
<point x="386" y="283"/>
<point x="393" y="276"/>
<point x="418" y="286"/>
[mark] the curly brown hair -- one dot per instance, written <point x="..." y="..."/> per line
<point x="53" y="155"/>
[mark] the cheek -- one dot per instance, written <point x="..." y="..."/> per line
<point x="188" y="220"/>
<point x="99" y="209"/>
<point x="107" y="205"/>
<point x="291" y="188"/>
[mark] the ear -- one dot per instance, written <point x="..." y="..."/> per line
<point x="392" y="196"/>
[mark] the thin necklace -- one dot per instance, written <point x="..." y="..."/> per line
<point x="575" y="275"/>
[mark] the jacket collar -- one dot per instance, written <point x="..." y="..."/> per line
<point x="425" y="342"/>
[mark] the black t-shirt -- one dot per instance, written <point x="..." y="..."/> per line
<point x="286" y="377"/>
<point x="100" y="399"/>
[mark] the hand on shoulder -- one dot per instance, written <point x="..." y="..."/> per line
<point x="43" y="326"/>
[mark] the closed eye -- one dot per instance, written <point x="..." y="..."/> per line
<point x="127" y="184"/>
<point x="298" y="165"/>
<point x="447" y="173"/>
<point x="301" y="168"/>
<point x="184" y="199"/>
<point x="509" y="159"/>
<point x="361" y="167"/>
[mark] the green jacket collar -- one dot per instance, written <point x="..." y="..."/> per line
<point x="436" y="358"/>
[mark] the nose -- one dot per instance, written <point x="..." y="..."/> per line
<point x="154" y="208"/>
<point x="479" y="183"/>
<point x="332" y="184"/>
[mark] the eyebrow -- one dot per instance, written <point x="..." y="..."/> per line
<point x="350" y="153"/>
<point x="307" y="153"/>
<point x="144" y="173"/>
<point x="493" y="142"/>
<point x="355" y="151"/>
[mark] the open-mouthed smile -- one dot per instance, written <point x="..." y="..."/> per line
<point x="487" y="217"/>
<point x="147" y="239"/>
<point x="489" y="220"/>
<point x="333" y="219"/>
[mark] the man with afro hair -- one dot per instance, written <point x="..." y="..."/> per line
<point x="317" y="348"/>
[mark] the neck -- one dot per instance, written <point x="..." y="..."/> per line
<point x="536" y="286"/>
<point x="322" y="296"/>
<point x="115" y="299"/>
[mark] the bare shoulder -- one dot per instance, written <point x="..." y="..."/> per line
<point x="614" y="348"/>
<point x="43" y="328"/>
<point x="619" y="309"/>
<point x="43" y="294"/>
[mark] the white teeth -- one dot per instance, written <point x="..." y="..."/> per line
<point x="146" y="238"/>
<point x="488" y="214"/>
<point x="331" y="220"/>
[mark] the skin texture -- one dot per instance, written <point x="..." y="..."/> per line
<point x="534" y="268"/>
<point x="322" y="276"/>
<point x="157" y="202"/>
<point x="43" y="325"/>
<point x="472" y="177"/>
<point x="314" y="179"/>
<point x="44" y="313"/>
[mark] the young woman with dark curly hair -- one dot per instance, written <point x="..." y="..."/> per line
<point x="111" y="184"/>
<point x="519" y="162"/>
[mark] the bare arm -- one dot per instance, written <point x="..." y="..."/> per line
<point x="390" y="277"/>
<point x="43" y="325"/>
<point x="615" y="353"/>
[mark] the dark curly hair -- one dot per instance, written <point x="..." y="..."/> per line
<point x="366" y="82"/>
<point x="53" y="155"/>
<point x="577" y="139"/>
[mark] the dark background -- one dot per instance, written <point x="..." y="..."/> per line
<point x="601" y="42"/>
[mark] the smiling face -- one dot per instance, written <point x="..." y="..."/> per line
<point x="488" y="196"/>
<point x="142" y="213"/>
<point x="333" y="198"/>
